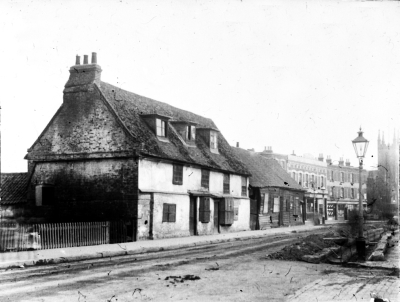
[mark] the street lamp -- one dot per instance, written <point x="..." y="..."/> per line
<point x="360" y="147"/>
<point x="313" y="188"/>
<point x="324" y="204"/>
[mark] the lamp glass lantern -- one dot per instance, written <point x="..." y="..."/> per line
<point x="360" y="144"/>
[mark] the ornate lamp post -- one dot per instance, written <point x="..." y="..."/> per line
<point x="360" y="147"/>
<point x="324" y="204"/>
<point x="313" y="187"/>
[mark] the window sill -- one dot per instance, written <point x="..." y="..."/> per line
<point x="215" y="151"/>
<point x="163" y="139"/>
<point x="190" y="143"/>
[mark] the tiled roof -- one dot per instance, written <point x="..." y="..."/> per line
<point x="129" y="108"/>
<point x="13" y="188"/>
<point x="266" y="172"/>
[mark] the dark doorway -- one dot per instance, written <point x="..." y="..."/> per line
<point x="130" y="231"/>
<point x="193" y="216"/>
<point x="122" y="231"/>
<point x="216" y="217"/>
<point x="253" y="215"/>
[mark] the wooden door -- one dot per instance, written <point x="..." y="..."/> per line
<point x="130" y="231"/>
<point x="216" y="217"/>
<point x="193" y="216"/>
<point x="280" y="221"/>
<point x="253" y="214"/>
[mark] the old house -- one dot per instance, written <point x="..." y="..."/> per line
<point x="13" y="192"/>
<point x="276" y="198"/>
<point x="109" y="154"/>
<point x="310" y="173"/>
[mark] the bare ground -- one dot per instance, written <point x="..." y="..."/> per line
<point x="245" y="278"/>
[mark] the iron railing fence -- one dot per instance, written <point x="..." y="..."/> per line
<point x="21" y="237"/>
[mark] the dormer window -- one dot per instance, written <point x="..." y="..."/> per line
<point x="186" y="130"/>
<point x="160" y="128"/>
<point x="158" y="124"/>
<point x="190" y="133"/>
<point x="209" y="136"/>
<point x="213" y="140"/>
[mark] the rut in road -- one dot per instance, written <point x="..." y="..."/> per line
<point x="122" y="265"/>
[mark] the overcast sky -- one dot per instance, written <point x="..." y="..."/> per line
<point x="294" y="75"/>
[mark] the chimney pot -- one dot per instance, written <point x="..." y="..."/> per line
<point x="94" y="58"/>
<point x="83" y="74"/>
<point x="237" y="145"/>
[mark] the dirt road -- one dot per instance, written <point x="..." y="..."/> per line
<point x="226" y="272"/>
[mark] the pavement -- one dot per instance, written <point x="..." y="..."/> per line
<point x="61" y="255"/>
<point x="345" y="287"/>
<point x="342" y="287"/>
<point x="392" y="257"/>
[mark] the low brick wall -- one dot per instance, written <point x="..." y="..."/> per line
<point x="381" y="247"/>
<point x="373" y="235"/>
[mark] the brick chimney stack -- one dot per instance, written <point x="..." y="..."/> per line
<point x="328" y="160"/>
<point x="347" y="163"/>
<point x="267" y="152"/>
<point x="321" y="157"/>
<point x="84" y="74"/>
<point x="341" y="162"/>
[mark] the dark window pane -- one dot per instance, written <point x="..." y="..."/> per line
<point x="226" y="188"/>
<point x="177" y="177"/>
<point x="47" y="195"/>
<point x="205" y="179"/>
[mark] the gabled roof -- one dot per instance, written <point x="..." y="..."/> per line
<point x="130" y="108"/>
<point x="266" y="172"/>
<point x="13" y="188"/>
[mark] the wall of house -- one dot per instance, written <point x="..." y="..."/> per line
<point x="335" y="184"/>
<point x="101" y="189"/>
<point x="144" y="216"/>
<point x="205" y="228"/>
<point x="243" y="220"/>
<point x="285" y="217"/>
<point x="180" y="227"/>
<point x="157" y="176"/>
<point x="83" y="124"/>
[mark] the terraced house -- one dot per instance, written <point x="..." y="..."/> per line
<point x="310" y="174"/>
<point x="343" y="188"/>
<point x="109" y="154"/>
<point x="276" y="198"/>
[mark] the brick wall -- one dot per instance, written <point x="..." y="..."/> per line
<point x="104" y="189"/>
<point x="79" y="153"/>
<point x="83" y="124"/>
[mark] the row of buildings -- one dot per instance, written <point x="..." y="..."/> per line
<point x="109" y="154"/>
<point x="332" y="187"/>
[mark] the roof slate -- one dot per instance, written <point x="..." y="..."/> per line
<point x="13" y="188"/>
<point x="266" y="172"/>
<point x="129" y="107"/>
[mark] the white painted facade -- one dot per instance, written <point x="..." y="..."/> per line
<point x="156" y="178"/>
